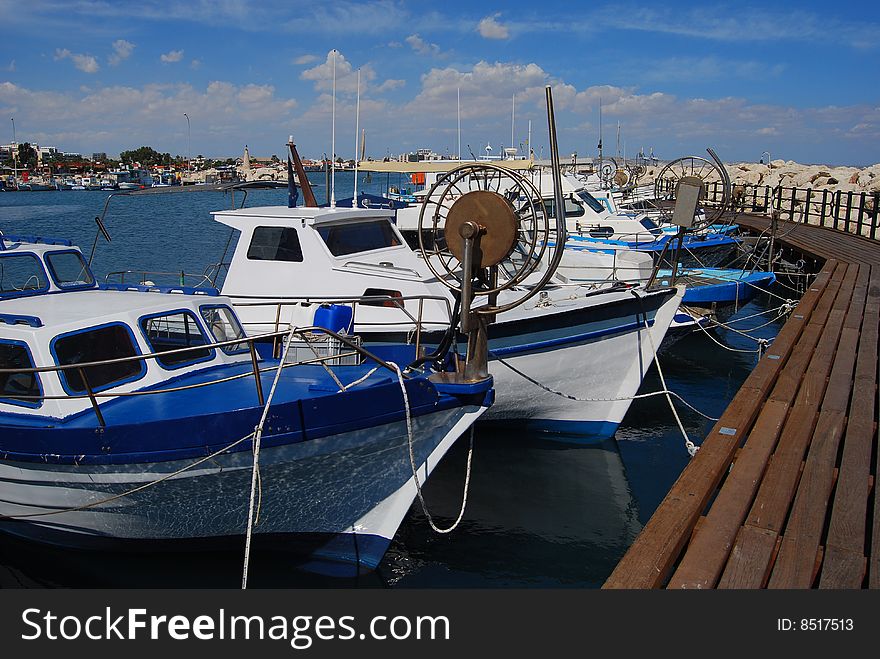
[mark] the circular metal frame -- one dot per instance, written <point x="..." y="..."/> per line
<point x="694" y="167"/>
<point x="525" y="208"/>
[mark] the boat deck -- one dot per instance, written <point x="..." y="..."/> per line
<point x="781" y="493"/>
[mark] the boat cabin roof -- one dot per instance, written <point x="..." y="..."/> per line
<point x="283" y="216"/>
<point x="91" y="308"/>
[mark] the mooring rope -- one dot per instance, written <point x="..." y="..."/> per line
<point x="578" y="399"/>
<point x="412" y="462"/>
<point x="255" y="471"/>
<point x="134" y="490"/>
<point x="346" y="387"/>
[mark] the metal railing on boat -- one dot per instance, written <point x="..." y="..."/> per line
<point x="256" y="371"/>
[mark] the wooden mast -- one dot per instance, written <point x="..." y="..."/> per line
<point x="304" y="183"/>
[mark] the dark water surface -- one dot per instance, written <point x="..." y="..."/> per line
<point x="541" y="512"/>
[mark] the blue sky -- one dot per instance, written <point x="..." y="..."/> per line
<point x="798" y="79"/>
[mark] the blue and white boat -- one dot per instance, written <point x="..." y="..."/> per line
<point x="590" y="223"/>
<point x="593" y="344"/>
<point x="717" y="287"/>
<point x="128" y="415"/>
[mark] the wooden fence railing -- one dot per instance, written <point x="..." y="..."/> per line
<point x="852" y="212"/>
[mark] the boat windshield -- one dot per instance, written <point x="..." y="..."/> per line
<point x="22" y="273"/>
<point x="353" y="237"/>
<point x="591" y="201"/>
<point x="572" y="208"/>
<point x="651" y="226"/>
<point x="69" y="269"/>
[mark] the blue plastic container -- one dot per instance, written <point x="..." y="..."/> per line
<point x="337" y="318"/>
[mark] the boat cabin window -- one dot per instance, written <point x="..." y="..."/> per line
<point x="275" y="244"/>
<point x="651" y="226"/>
<point x="353" y="237"/>
<point x="94" y="345"/>
<point x="394" y="298"/>
<point x="22" y="273"/>
<point x="18" y="388"/>
<point x="224" y="326"/>
<point x="601" y="232"/>
<point x="176" y="331"/>
<point x="69" y="270"/>
<point x="572" y="208"/>
<point x="591" y="201"/>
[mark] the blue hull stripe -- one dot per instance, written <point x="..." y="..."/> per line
<point x="524" y="348"/>
<point x="569" y="432"/>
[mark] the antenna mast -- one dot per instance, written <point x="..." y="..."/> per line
<point x="357" y="123"/>
<point x="333" y="140"/>
<point x="512" y="120"/>
<point x="458" y="99"/>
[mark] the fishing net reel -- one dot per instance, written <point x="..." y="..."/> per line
<point x="694" y="170"/>
<point x="483" y="229"/>
<point x="607" y="171"/>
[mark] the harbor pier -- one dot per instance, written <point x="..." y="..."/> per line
<point x="782" y="492"/>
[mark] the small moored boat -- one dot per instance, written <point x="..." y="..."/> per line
<point x="128" y="416"/>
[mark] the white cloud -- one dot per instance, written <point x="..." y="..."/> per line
<point x="390" y="84"/>
<point x="172" y="56"/>
<point x="11" y="66"/>
<point x="305" y="59"/>
<point x="421" y="46"/>
<point x="489" y="28"/>
<point x="484" y="89"/>
<point x="346" y="75"/>
<point x="195" y="64"/>
<point x="122" y="50"/>
<point x="121" y="117"/>
<point x="85" y="63"/>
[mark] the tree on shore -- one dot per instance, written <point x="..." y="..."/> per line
<point x="146" y="156"/>
<point x="27" y="156"/>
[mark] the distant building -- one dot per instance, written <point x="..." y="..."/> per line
<point x="100" y="156"/>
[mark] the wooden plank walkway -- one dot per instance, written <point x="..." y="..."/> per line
<point x="781" y="493"/>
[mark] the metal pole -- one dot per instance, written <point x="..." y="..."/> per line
<point x="357" y="120"/>
<point x="256" y="373"/>
<point x="419" y="327"/>
<point x="188" y="150"/>
<point x="458" y="102"/>
<point x="91" y="394"/>
<point x="14" y="153"/>
<point x="333" y="141"/>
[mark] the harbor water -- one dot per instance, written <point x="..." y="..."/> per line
<point x="542" y="511"/>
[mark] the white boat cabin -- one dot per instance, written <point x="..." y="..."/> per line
<point x="299" y="256"/>
<point x="54" y="313"/>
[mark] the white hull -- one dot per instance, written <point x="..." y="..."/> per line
<point x="602" y="371"/>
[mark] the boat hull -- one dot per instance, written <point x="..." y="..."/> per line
<point x="598" y="352"/>
<point x="603" y="365"/>
<point x="336" y="501"/>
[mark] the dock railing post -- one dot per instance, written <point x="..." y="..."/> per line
<point x="861" y="213"/>
<point x="874" y="215"/>
<point x="835" y="207"/>
<point x="848" y="210"/>
<point x="807" y="205"/>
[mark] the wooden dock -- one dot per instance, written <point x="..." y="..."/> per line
<point x="781" y="493"/>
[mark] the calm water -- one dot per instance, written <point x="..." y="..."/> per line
<point x="540" y="513"/>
